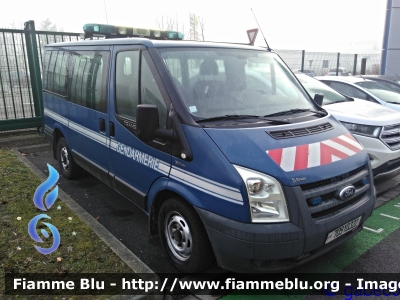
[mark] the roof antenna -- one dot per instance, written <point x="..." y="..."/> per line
<point x="105" y="9"/>
<point x="269" y="49"/>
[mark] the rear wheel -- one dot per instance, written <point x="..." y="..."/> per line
<point x="184" y="237"/>
<point x="68" y="167"/>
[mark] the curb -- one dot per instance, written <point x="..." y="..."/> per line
<point x="115" y="245"/>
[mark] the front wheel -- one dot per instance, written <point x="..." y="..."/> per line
<point x="184" y="237"/>
<point x="68" y="167"/>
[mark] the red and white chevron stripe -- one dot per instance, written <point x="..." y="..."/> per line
<point x="316" y="154"/>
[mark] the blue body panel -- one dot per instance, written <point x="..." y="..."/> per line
<point x="247" y="148"/>
<point x="85" y="135"/>
<point x="209" y="181"/>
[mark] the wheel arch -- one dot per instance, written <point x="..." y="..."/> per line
<point x="57" y="134"/>
<point x="160" y="191"/>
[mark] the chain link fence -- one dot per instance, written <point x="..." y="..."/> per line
<point x="322" y="62"/>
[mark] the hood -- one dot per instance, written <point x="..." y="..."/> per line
<point x="296" y="160"/>
<point x="393" y="106"/>
<point x="363" y="112"/>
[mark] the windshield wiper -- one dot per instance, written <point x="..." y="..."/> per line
<point x="227" y="117"/>
<point x="295" y="111"/>
<point x="392" y="102"/>
<point x="239" y="117"/>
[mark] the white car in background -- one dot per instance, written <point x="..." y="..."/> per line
<point x="310" y="73"/>
<point x="376" y="127"/>
<point x="365" y="89"/>
<point x="340" y="71"/>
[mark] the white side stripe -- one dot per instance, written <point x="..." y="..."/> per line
<point x="208" y="180"/>
<point x="56" y="117"/>
<point x="205" y="190"/>
<point x="213" y="188"/>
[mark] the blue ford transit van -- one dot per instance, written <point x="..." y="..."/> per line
<point x="217" y="143"/>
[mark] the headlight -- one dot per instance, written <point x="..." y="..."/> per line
<point x="367" y="130"/>
<point x="267" y="201"/>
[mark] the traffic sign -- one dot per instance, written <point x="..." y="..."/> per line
<point x="252" y="34"/>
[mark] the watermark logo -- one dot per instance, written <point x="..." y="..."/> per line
<point x="51" y="197"/>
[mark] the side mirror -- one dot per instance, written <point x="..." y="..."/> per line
<point x="146" y="121"/>
<point x="147" y="125"/>
<point x="318" y="98"/>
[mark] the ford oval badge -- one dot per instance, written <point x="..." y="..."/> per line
<point x="346" y="192"/>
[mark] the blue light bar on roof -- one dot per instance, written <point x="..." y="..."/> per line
<point x="111" y="31"/>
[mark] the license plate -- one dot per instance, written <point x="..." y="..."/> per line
<point x="342" y="230"/>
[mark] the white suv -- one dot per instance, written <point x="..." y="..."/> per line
<point x="376" y="127"/>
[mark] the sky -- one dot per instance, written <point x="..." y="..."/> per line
<point x="346" y="26"/>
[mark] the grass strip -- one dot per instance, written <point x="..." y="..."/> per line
<point x="80" y="251"/>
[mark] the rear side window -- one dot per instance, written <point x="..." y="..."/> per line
<point x="55" y="72"/>
<point x="89" y="79"/>
<point x="349" y="90"/>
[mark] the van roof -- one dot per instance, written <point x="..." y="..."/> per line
<point x="155" y="43"/>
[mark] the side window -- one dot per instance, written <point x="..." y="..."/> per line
<point x="89" y="79"/>
<point x="127" y="83"/>
<point x="348" y="90"/>
<point x="151" y="92"/>
<point x="46" y="73"/>
<point x="390" y="85"/>
<point x="55" y="73"/>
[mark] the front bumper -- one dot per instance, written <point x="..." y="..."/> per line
<point x="251" y="247"/>
<point x="383" y="160"/>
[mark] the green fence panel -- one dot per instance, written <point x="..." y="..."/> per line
<point x="21" y="52"/>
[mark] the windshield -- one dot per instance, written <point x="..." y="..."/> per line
<point x="381" y="91"/>
<point x="215" y="82"/>
<point x="314" y="86"/>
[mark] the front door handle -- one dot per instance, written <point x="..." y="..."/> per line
<point x="112" y="128"/>
<point x="102" y="125"/>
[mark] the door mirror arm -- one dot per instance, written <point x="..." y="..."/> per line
<point x="148" y="129"/>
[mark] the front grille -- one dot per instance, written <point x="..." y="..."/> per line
<point x="284" y="134"/>
<point x="340" y="206"/>
<point x="327" y="190"/>
<point x="391" y="136"/>
<point x="335" y="179"/>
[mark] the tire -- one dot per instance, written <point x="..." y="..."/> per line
<point x="68" y="167"/>
<point x="184" y="237"/>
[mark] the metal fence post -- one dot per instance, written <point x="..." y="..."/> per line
<point x="34" y="69"/>
<point x="337" y="64"/>
<point x="303" y="54"/>
<point x="355" y="65"/>
<point x="363" y="66"/>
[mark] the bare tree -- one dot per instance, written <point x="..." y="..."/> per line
<point x="47" y="25"/>
<point x="13" y="25"/>
<point x="168" y="23"/>
<point x="202" y="25"/>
